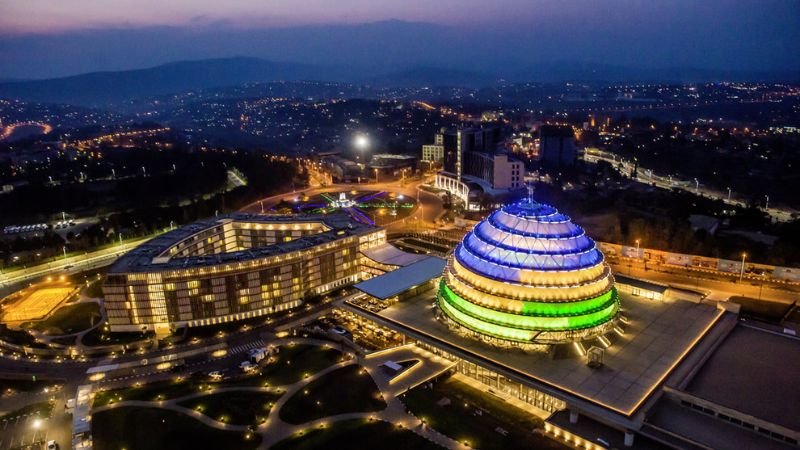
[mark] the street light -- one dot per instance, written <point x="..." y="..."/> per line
<point x="766" y="205"/>
<point x="696" y="186"/>
<point x="376" y="175"/>
<point x="729" y="194"/>
<point x="361" y="142"/>
<point x="741" y="272"/>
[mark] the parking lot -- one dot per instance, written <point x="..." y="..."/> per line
<point x="31" y="431"/>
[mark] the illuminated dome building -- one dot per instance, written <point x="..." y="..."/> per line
<point x="525" y="276"/>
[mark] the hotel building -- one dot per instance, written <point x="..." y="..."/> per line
<point x="232" y="268"/>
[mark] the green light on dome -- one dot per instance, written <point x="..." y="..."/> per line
<point x="527" y="274"/>
<point x="474" y="315"/>
<point x="567" y="308"/>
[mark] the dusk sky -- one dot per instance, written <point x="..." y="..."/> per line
<point x="42" y="38"/>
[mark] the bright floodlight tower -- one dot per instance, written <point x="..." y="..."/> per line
<point x="525" y="277"/>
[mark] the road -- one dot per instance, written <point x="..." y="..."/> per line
<point x="429" y="206"/>
<point x="70" y="264"/>
<point x="719" y="287"/>
<point x="646" y="176"/>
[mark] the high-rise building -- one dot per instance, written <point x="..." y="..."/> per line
<point x="433" y="153"/>
<point x="457" y="143"/>
<point x="557" y="145"/>
<point x="470" y="158"/>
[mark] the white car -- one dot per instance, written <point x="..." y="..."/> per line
<point x="248" y="367"/>
<point x="215" y="375"/>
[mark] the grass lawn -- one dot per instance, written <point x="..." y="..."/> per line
<point x="68" y="319"/>
<point x="98" y="337"/>
<point x="41" y="409"/>
<point x="64" y="340"/>
<point x="19" y="337"/>
<point x="294" y="362"/>
<point x="357" y="435"/>
<point x="94" y="289"/>
<point x="345" y="390"/>
<point x="134" y="428"/>
<point x="237" y="408"/>
<point x="26" y="385"/>
<point x="160" y="390"/>
<point x="461" y="422"/>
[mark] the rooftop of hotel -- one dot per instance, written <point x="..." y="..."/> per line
<point x="658" y="336"/>
<point x="141" y="258"/>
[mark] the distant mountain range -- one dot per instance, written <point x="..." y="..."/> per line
<point x="109" y="88"/>
<point x="101" y="88"/>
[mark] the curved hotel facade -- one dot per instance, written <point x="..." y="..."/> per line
<point x="232" y="268"/>
<point x="528" y="275"/>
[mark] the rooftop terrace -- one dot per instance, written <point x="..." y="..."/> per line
<point x="141" y="258"/>
<point x="659" y="335"/>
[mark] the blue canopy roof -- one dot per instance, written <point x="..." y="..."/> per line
<point x="392" y="283"/>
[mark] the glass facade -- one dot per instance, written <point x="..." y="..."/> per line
<point x="499" y="382"/>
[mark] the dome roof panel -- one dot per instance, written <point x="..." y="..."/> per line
<point x="528" y="252"/>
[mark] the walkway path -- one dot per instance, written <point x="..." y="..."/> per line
<point x="274" y="429"/>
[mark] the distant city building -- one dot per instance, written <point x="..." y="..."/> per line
<point x="233" y="268"/>
<point x="472" y="163"/>
<point x="492" y="116"/>
<point x="557" y="145"/>
<point x="461" y="141"/>
<point x="499" y="170"/>
<point x="433" y="153"/>
<point x="391" y="165"/>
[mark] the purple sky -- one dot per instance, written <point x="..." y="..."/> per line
<point x="52" y="16"/>
<point x="40" y="38"/>
<point x="55" y="16"/>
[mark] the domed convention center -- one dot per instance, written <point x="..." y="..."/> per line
<point x="528" y="275"/>
<point x="527" y="306"/>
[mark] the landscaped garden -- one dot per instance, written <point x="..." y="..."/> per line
<point x="292" y="363"/>
<point x="153" y="392"/>
<point x="357" y="435"/>
<point x="345" y="390"/>
<point x="234" y="407"/>
<point x="137" y="428"/>
<point x="476" y="417"/>
<point x="296" y="361"/>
